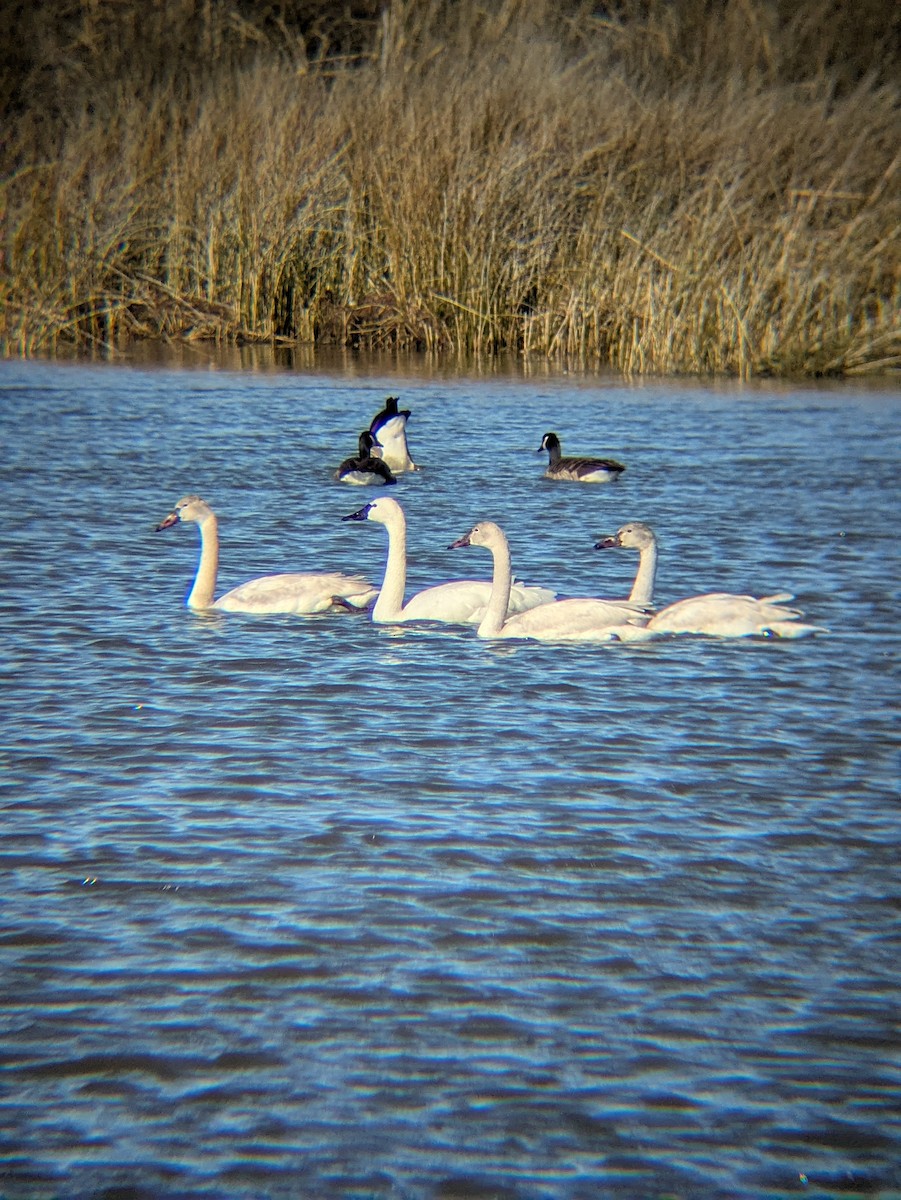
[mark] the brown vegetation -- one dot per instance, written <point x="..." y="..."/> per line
<point x="645" y="185"/>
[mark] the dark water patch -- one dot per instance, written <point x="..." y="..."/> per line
<point x="164" y="1069"/>
<point x="812" y="1180"/>
<point x="834" y="1135"/>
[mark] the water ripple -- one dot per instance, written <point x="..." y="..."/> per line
<point x="311" y="907"/>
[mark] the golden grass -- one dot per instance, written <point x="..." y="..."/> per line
<point x="666" y="189"/>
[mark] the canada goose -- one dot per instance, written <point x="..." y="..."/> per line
<point x="366" y="467"/>
<point x="390" y="427"/>
<point x="578" y="470"/>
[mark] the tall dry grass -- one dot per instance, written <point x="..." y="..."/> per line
<point x="665" y="188"/>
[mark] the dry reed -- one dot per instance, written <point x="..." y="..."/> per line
<point x="669" y="188"/>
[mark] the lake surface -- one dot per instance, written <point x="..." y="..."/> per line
<point x="306" y="907"/>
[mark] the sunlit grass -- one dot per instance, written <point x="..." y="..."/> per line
<point x="660" y="190"/>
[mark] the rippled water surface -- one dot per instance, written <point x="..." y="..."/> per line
<point x="305" y="907"/>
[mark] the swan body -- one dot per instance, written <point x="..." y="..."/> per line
<point x="561" y="620"/>
<point x="717" y="614"/>
<point x="578" y="470"/>
<point x="291" y="593"/>
<point x="366" y="467"/>
<point x="460" y="602"/>
<point x="389" y="426"/>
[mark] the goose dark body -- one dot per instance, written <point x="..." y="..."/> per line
<point x="365" y="467"/>
<point x="577" y="470"/>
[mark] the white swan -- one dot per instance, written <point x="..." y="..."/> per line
<point x="294" y="593"/>
<point x="389" y="426"/>
<point x="717" y="614"/>
<point x="460" y="602"/>
<point x="563" y="620"/>
<point x="366" y="467"/>
<point x="578" y="470"/>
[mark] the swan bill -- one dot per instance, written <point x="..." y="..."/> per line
<point x="361" y="514"/>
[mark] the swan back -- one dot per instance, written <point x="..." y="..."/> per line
<point x="298" y="593"/>
<point x="727" y="615"/>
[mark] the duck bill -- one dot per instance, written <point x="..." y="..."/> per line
<point x="610" y="542"/>
<point x="460" y="542"/>
<point x="167" y="522"/>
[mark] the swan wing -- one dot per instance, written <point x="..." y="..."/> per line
<point x="723" y="614"/>
<point x="460" y="602"/>
<point x="585" y="470"/>
<point x="572" y="620"/>
<point x="526" y="596"/>
<point x="464" y="601"/>
<point x="298" y="593"/>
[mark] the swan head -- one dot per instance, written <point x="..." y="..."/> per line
<point x="550" y="441"/>
<point x="634" y="536"/>
<point x="188" y="508"/>
<point x="486" y="533"/>
<point x="384" y="510"/>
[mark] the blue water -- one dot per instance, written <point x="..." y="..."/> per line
<point x="305" y="907"/>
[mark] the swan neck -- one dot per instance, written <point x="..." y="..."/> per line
<point x="390" y="602"/>
<point x="498" y="602"/>
<point x="643" y="587"/>
<point x="201" y="594"/>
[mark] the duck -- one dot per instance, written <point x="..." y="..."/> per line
<point x="716" y="614"/>
<point x="367" y="467"/>
<point x="587" y="619"/>
<point x="389" y="426"/>
<point x="577" y="470"/>
<point x="291" y="593"/>
<point x="459" y="602"/>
